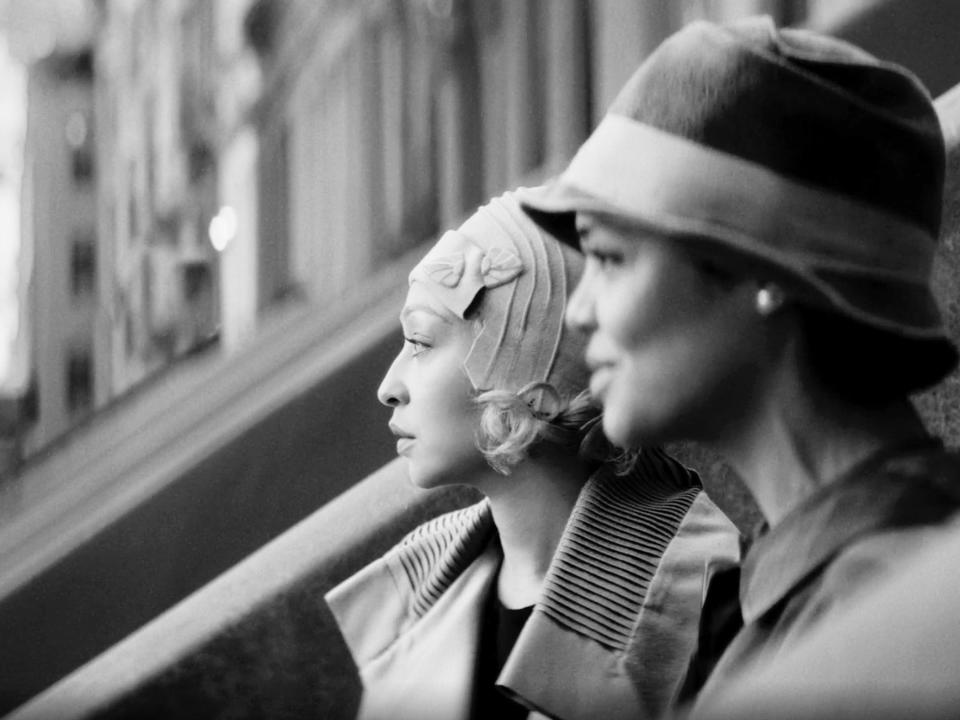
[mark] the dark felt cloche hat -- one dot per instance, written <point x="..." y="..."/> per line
<point x="783" y="148"/>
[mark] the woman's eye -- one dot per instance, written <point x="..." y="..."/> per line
<point x="417" y="347"/>
<point x="606" y="260"/>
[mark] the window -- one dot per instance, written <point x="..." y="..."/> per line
<point x="133" y="214"/>
<point x="79" y="380"/>
<point x="274" y="281"/>
<point x="534" y="100"/>
<point x="129" y="334"/>
<point x="197" y="281"/>
<point x="80" y="142"/>
<point x="83" y="266"/>
<point x="81" y="165"/>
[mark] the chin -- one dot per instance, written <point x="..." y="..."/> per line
<point x="632" y="430"/>
<point x="426" y="478"/>
<point x="617" y="431"/>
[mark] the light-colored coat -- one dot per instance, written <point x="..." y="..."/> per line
<point x="610" y="636"/>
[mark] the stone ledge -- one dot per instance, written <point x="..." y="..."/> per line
<point x="259" y="641"/>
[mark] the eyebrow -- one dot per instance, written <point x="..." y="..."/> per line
<point x="420" y="307"/>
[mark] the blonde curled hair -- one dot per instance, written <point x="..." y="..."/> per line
<point x="511" y="426"/>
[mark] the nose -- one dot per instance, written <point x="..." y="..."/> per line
<point x="392" y="391"/>
<point x="580" y="314"/>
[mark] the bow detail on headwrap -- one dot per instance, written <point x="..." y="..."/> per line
<point x="457" y="269"/>
<point x="445" y="271"/>
<point x="498" y="266"/>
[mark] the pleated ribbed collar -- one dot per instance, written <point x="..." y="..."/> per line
<point x="609" y="552"/>
<point x="570" y="658"/>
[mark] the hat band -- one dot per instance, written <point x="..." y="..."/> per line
<point x="681" y="186"/>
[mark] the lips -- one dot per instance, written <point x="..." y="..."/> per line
<point x="400" y="432"/>
<point x="600" y="380"/>
<point x="601" y="362"/>
<point x="405" y="439"/>
<point x="601" y="358"/>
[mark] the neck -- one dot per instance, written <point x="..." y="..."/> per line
<point x="803" y="437"/>
<point x="530" y="509"/>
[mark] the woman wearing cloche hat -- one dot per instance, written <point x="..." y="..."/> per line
<point x="759" y="210"/>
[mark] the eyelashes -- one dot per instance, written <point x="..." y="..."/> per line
<point x="606" y="260"/>
<point x="417" y="347"/>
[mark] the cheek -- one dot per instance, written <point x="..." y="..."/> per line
<point x="663" y="306"/>
<point x="448" y="450"/>
<point x="450" y="410"/>
<point x="626" y="313"/>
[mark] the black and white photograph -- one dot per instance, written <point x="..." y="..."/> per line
<point x="479" y="359"/>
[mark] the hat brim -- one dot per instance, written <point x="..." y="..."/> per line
<point x="910" y="312"/>
<point x="554" y="207"/>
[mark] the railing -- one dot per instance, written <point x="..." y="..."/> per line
<point x="259" y="640"/>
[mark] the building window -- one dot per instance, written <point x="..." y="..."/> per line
<point x="535" y="98"/>
<point x="28" y="411"/>
<point x="81" y="148"/>
<point x="83" y="266"/>
<point x="129" y="334"/>
<point x="81" y="165"/>
<point x="79" y="380"/>
<point x="197" y="281"/>
<point x="133" y="215"/>
<point x="274" y="280"/>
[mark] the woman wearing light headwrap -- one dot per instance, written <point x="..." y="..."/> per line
<point x="572" y="588"/>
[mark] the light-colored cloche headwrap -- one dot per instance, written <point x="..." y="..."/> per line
<point x="526" y="276"/>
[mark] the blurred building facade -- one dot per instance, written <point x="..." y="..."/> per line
<point x="119" y="185"/>
<point x="252" y="154"/>
<point x="59" y="231"/>
<point x="265" y="171"/>
<point x="155" y="80"/>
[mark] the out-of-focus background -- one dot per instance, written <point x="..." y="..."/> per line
<point x="208" y="209"/>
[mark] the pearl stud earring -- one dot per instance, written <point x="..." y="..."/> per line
<point x="769" y="299"/>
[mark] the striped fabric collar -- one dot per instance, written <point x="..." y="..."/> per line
<point x="436" y="553"/>
<point x="607" y="556"/>
<point x="612" y="546"/>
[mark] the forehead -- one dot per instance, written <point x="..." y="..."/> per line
<point x="590" y="222"/>
<point x="602" y="230"/>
